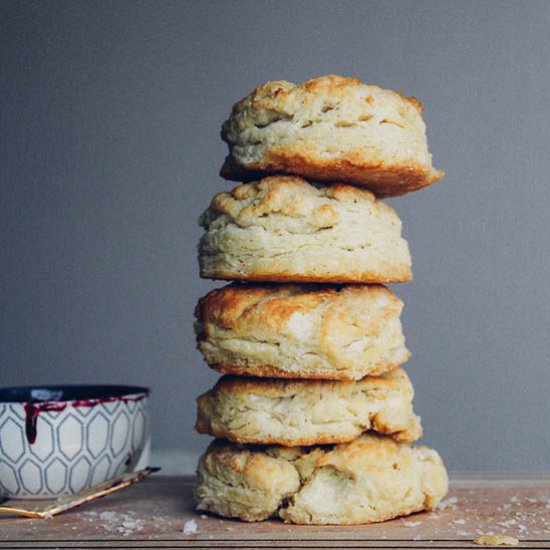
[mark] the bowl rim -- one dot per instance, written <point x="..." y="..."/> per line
<point x="70" y="393"/>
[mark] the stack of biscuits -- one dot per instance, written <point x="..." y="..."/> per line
<point x="313" y="416"/>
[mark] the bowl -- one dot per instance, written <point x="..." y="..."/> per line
<point x="58" y="440"/>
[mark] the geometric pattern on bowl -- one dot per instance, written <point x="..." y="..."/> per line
<point x="75" y="448"/>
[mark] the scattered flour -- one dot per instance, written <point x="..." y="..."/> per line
<point x="190" y="527"/>
<point x="112" y="522"/>
<point x="448" y="503"/>
<point x="412" y="523"/>
<point x="508" y="523"/>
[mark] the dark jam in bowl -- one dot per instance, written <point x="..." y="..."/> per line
<point x="67" y="393"/>
<point x="37" y="399"/>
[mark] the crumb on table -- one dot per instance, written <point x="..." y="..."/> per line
<point x="496" y="540"/>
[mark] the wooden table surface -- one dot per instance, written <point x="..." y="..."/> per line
<point x="153" y="514"/>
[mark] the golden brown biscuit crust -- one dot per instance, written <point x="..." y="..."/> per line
<point x="330" y="128"/>
<point x="383" y="179"/>
<point x="301" y="331"/>
<point x="244" y="368"/>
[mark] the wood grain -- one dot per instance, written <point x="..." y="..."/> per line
<point x="153" y="515"/>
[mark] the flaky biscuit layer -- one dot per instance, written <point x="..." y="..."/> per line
<point x="301" y="331"/>
<point x="333" y="129"/>
<point x="284" y="229"/>
<point x="371" y="479"/>
<point x="307" y="412"/>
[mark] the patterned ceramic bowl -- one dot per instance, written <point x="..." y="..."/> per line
<point x="57" y="440"/>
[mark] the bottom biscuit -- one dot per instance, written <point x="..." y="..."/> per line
<point x="370" y="479"/>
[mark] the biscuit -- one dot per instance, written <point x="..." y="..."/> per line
<point x="301" y="331"/>
<point x="496" y="540"/>
<point x="370" y="479"/>
<point x="330" y="128"/>
<point x="307" y="412"/>
<point x="283" y="229"/>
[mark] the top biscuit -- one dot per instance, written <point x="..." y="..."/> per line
<point x="330" y="128"/>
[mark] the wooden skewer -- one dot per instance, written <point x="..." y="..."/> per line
<point x="82" y="497"/>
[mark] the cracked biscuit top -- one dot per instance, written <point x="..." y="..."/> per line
<point x="330" y="128"/>
<point x="283" y="228"/>
<point x="371" y="479"/>
<point x="301" y="331"/>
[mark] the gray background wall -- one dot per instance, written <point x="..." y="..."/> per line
<point x="110" y="151"/>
